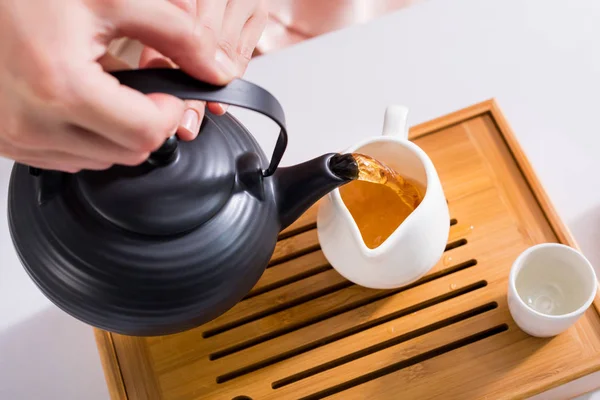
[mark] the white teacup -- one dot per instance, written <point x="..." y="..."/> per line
<point x="416" y="245"/>
<point x="550" y="286"/>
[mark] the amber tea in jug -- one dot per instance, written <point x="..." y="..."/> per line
<point x="379" y="200"/>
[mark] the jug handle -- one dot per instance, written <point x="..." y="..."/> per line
<point x="395" y="122"/>
<point x="237" y="93"/>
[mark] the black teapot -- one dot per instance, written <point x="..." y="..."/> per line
<point x="172" y="243"/>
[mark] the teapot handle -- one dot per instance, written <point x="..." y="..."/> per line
<point x="237" y="93"/>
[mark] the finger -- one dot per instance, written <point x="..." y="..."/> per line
<point x="192" y="118"/>
<point x="59" y="161"/>
<point x="243" y="25"/>
<point x="71" y="140"/>
<point x="48" y="165"/>
<point x="123" y="115"/>
<point x="217" y="108"/>
<point x="189" y="6"/>
<point x="150" y="58"/>
<point x="234" y="18"/>
<point x="109" y="62"/>
<point x="89" y="145"/>
<point x="44" y="158"/>
<point x="175" y="34"/>
<point x="149" y="55"/>
<point x="208" y="25"/>
<point x="237" y="13"/>
<point x="194" y="110"/>
<point x="209" y="17"/>
<point x="249" y="38"/>
<point x="33" y="158"/>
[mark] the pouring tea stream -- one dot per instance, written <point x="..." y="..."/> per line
<point x="416" y="244"/>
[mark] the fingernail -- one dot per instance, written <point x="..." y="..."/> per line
<point x="224" y="107"/>
<point x="190" y="121"/>
<point x="225" y="63"/>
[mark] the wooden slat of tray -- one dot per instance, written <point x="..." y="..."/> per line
<point x="305" y="332"/>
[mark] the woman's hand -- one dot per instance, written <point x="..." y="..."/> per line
<point x="228" y="29"/>
<point x="60" y="110"/>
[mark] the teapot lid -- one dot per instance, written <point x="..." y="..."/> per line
<point x="181" y="186"/>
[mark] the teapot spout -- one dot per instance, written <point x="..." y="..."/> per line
<point x="300" y="186"/>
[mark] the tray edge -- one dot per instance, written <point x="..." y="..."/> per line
<point x="109" y="357"/>
<point x="110" y="365"/>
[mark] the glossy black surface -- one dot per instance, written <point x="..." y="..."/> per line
<point x="165" y="246"/>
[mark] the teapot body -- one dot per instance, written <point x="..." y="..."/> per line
<point x="416" y="245"/>
<point x="176" y="241"/>
<point x="137" y="284"/>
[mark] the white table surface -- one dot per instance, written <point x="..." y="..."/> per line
<point x="539" y="58"/>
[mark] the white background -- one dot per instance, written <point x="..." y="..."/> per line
<point x="539" y="58"/>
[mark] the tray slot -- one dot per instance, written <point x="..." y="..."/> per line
<point x="306" y="265"/>
<point x="332" y="313"/>
<point x="301" y="224"/>
<point x="352" y="331"/>
<point x="455" y="244"/>
<point x="293" y="270"/>
<point x="171" y="369"/>
<point x="302" y="241"/>
<point x="186" y="346"/>
<point x="295" y="246"/>
<point x="278" y="300"/>
<point x="392" y="355"/>
<point x="363" y="304"/>
<point x="409" y="362"/>
<point x="287" y="281"/>
<point x="281" y="307"/>
<point x="348" y="345"/>
<point x="281" y="304"/>
<point x="384" y="345"/>
<point x="297" y="231"/>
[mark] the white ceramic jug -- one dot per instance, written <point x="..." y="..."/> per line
<point x="416" y="245"/>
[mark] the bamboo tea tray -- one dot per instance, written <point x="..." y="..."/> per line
<point x="304" y="332"/>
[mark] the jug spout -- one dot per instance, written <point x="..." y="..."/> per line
<point x="300" y="186"/>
